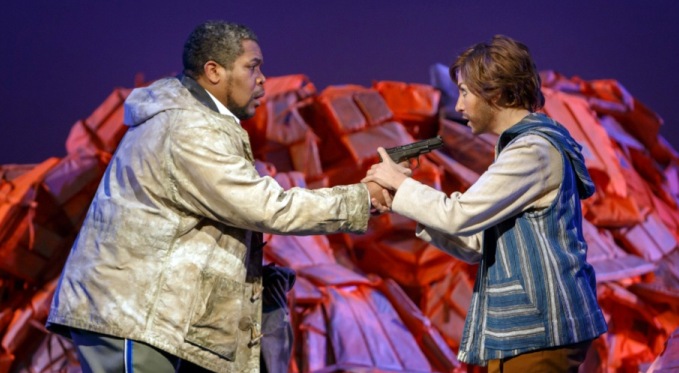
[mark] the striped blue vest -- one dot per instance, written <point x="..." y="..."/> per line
<point x="534" y="288"/>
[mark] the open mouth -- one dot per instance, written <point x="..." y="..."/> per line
<point x="258" y="98"/>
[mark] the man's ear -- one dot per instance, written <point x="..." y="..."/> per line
<point x="213" y="71"/>
<point x="497" y="101"/>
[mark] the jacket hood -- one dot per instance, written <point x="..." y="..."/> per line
<point x="541" y="124"/>
<point x="164" y="94"/>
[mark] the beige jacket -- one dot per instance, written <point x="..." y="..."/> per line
<point x="161" y="257"/>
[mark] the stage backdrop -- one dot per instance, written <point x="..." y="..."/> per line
<point x="60" y="59"/>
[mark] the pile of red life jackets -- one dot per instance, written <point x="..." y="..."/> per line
<point x="383" y="301"/>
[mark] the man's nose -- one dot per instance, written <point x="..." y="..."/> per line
<point x="458" y="105"/>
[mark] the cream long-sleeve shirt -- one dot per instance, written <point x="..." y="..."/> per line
<point x="525" y="176"/>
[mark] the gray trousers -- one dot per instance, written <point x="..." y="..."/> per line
<point x="99" y="353"/>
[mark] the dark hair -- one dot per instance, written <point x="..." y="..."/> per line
<point x="217" y="41"/>
<point x="503" y="66"/>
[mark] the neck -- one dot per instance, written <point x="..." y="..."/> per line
<point x="507" y="117"/>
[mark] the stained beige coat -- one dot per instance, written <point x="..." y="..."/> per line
<point x="161" y="257"/>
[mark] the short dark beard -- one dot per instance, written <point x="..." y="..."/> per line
<point x="241" y="112"/>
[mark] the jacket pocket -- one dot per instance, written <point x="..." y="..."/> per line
<point x="215" y="325"/>
<point x="513" y="320"/>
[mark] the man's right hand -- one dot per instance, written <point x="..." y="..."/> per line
<point x="387" y="173"/>
<point x="380" y="198"/>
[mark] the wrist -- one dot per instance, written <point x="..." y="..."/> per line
<point x="398" y="180"/>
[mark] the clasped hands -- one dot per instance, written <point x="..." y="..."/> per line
<point x="383" y="180"/>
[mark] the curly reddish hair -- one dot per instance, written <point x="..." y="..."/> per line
<point x="502" y="68"/>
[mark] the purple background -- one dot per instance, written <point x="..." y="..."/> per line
<point x="59" y="60"/>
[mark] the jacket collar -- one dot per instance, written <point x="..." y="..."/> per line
<point x="198" y="92"/>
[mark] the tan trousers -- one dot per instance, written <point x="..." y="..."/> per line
<point x="565" y="359"/>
